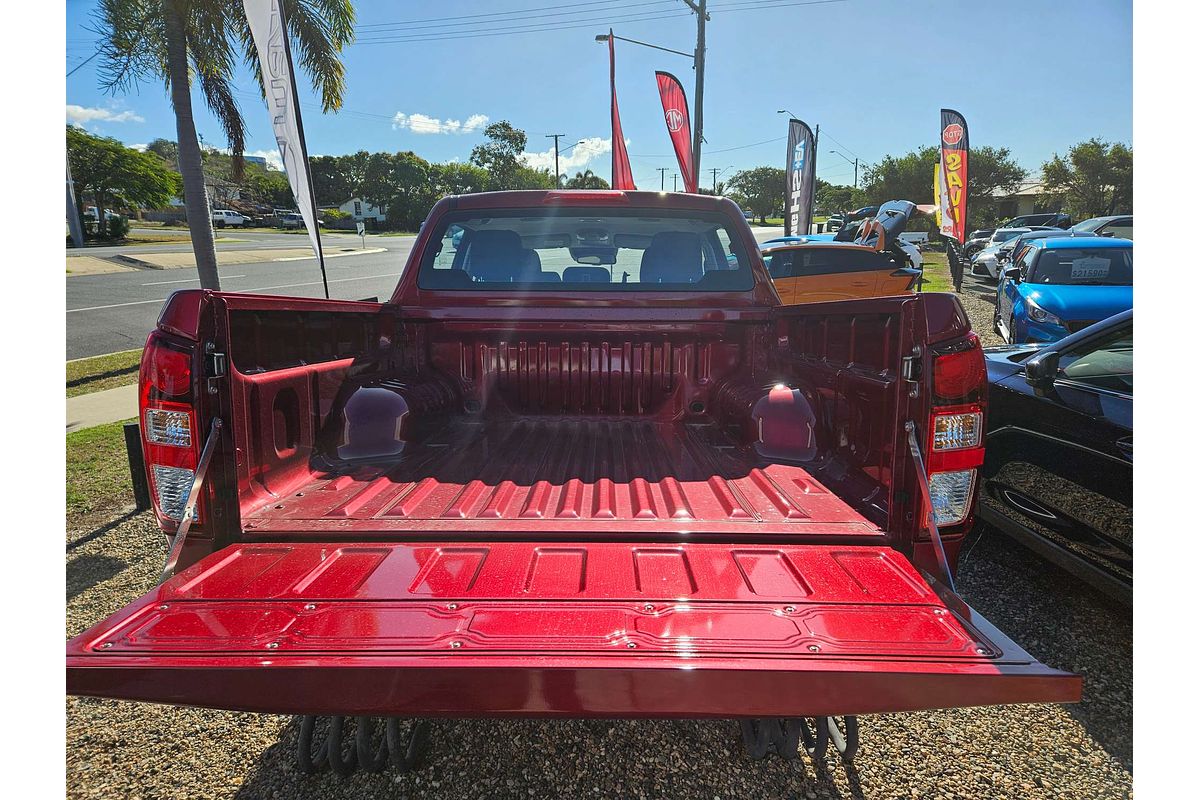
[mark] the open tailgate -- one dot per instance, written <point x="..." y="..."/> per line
<point x="494" y="629"/>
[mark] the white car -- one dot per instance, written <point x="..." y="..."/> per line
<point x="984" y="262"/>
<point x="223" y="218"/>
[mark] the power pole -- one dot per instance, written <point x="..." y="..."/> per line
<point x="701" y="10"/>
<point x="675" y="182"/>
<point x="662" y="178"/>
<point x="556" y="137"/>
<point x="714" y="171"/>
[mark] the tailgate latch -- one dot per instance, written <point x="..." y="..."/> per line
<point x="216" y="365"/>
<point x="910" y="371"/>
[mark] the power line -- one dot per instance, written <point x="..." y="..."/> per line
<point x="529" y="26"/>
<point x="505" y="16"/>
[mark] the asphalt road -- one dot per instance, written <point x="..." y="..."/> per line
<point x="115" y="311"/>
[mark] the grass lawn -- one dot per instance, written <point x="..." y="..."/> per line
<point x="97" y="470"/>
<point x="937" y="273"/>
<point x="102" y="372"/>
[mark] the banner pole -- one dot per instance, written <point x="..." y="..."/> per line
<point x="287" y="49"/>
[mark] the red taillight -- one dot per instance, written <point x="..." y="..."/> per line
<point x="959" y="373"/>
<point x="168" y="424"/>
<point x="956" y="429"/>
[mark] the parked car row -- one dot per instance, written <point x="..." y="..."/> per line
<point x="991" y="254"/>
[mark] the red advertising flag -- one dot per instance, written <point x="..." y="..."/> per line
<point x="952" y="189"/>
<point x="679" y="125"/>
<point x="622" y="173"/>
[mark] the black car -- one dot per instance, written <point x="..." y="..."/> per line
<point x="1119" y="226"/>
<point x="1058" y="474"/>
<point x="1052" y="220"/>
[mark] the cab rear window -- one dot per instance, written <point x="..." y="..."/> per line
<point x="584" y="249"/>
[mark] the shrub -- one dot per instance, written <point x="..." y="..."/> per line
<point x="117" y="228"/>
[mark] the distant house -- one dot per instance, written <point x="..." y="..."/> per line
<point x="362" y="211"/>
<point x="1025" y="200"/>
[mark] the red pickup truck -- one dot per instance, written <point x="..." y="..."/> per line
<point x="582" y="464"/>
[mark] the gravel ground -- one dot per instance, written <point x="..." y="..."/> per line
<point x="1084" y="751"/>
<point x="978" y="297"/>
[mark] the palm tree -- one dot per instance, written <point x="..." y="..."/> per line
<point x="587" y="180"/>
<point x="178" y="41"/>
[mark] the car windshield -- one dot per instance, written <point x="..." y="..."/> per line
<point x="1084" y="266"/>
<point x="1089" y="225"/>
<point x="1004" y="236"/>
<point x="585" y="249"/>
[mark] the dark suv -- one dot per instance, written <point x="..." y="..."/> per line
<point x="1056" y="220"/>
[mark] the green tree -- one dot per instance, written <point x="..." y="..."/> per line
<point x="586" y="180"/>
<point x="267" y="187"/>
<point x="501" y="155"/>
<point x="112" y="173"/>
<point x="165" y="149"/>
<point x="1094" y="180"/>
<point x="175" y="41"/>
<point x="759" y="191"/>
<point x="829" y="198"/>
<point x="455" y="178"/>
<point x="990" y="171"/>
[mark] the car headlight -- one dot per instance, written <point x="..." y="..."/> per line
<point x="1039" y="314"/>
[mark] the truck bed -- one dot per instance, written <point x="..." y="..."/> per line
<point x="563" y="475"/>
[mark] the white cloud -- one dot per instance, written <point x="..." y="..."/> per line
<point x="424" y="124"/>
<point x="141" y="148"/>
<point x="81" y="115"/>
<point x="578" y="157"/>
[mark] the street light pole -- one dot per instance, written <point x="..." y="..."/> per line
<point x="848" y="161"/>
<point x="557" y="176"/>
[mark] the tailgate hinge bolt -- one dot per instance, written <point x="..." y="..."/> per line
<point x="452" y="606"/>
<point x="105" y="646"/>
<point x="455" y="645"/>
<point x="789" y="610"/>
<point x="815" y="648"/>
<point x="272" y="645"/>
<point x="631" y="645"/>
<point x="163" y="607"/>
<point x="647" y="608"/>
<point x="310" y="606"/>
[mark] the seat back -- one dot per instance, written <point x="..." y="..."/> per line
<point x="673" y="257"/>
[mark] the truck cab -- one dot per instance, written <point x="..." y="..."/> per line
<point x="583" y="463"/>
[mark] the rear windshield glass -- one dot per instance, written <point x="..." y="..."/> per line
<point x="1081" y="266"/>
<point x="585" y="249"/>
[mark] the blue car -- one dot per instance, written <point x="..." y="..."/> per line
<point x="1057" y="286"/>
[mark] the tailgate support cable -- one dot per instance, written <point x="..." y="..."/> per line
<point x="923" y="479"/>
<point x="189" y="508"/>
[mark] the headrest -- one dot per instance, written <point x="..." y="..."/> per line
<point x="495" y="256"/>
<point x="673" y="257"/>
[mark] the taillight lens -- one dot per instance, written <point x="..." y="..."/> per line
<point x="959" y="372"/>
<point x="168" y="421"/>
<point x="956" y="429"/>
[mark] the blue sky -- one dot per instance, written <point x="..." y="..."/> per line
<point x="1035" y="77"/>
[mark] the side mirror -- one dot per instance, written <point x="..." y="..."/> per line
<point x="1041" y="369"/>
<point x="1013" y="274"/>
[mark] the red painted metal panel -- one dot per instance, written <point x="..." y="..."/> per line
<point x="561" y="474"/>
<point x="555" y="629"/>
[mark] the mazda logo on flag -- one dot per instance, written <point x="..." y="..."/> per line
<point x="674" y="119"/>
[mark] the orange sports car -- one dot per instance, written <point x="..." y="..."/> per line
<point x="862" y="262"/>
